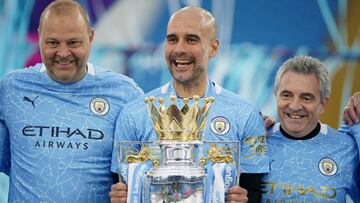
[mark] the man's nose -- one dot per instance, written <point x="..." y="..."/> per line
<point x="295" y="104"/>
<point x="180" y="47"/>
<point x="63" y="50"/>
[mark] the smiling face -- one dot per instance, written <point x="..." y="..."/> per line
<point x="298" y="103"/>
<point x="65" y="41"/>
<point x="190" y="43"/>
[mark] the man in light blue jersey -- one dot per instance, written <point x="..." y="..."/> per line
<point x="351" y="126"/>
<point x="58" y="117"/>
<point x="190" y="43"/>
<point x="309" y="161"/>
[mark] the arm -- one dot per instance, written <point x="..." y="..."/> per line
<point x="254" y="159"/>
<point x="4" y="149"/>
<point x="4" y="138"/>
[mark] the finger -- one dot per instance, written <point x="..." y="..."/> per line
<point x="357" y="104"/>
<point x="236" y="198"/>
<point x="351" y="110"/>
<point x="119" y="186"/>
<point x="346" y="117"/>
<point x="118" y="200"/>
<point x="118" y="194"/>
<point x="237" y="194"/>
<point x="268" y="122"/>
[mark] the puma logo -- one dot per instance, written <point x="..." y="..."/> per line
<point x="31" y="101"/>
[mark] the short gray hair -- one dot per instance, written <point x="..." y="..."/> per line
<point x="306" y="65"/>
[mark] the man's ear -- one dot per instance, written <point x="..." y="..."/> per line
<point x="214" y="47"/>
<point x="324" y="102"/>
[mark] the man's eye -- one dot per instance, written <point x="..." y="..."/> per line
<point x="52" y="43"/>
<point x="171" y="40"/>
<point x="74" y="43"/>
<point x="285" y="95"/>
<point x="191" y="40"/>
<point x="307" y="98"/>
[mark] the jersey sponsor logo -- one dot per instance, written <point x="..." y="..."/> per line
<point x="41" y="132"/>
<point x="32" y="101"/>
<point x="220" y="125"/>
<point x="56" y="131"/>
<point x="327" y="166"/>
<point x="99" y="106"/>
<point x="283" y="191"/>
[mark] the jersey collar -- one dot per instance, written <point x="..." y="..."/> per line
<point x="212" y="89"/>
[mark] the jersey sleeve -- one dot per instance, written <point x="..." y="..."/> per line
<point x="253" y="154"/>
<point x="4" y="138"/>
<point x="351" y="161"/>
<point x="353" y="131"/>
<point x="125" y="130"/>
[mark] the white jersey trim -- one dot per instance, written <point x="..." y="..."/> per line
<point x="276" y="127"/>
<point x="218" y="88"/>
<point x="165" y="88"/>
<point x="324" y="129"/>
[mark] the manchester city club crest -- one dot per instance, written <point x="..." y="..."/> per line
<point x="99" y="106"/>
<point x="327" y="166"/>
<point x="220" y="125"/>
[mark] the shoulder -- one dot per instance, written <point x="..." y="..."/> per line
<point x="23" y="74"/>
<point x="140" y="102"/>
<point x="121" y="85"/>
<point x="109" y="76"/>
<point x="233" y="100"/>
<point x="335" y="134"/>
<point x="274" y="131"/>
<point x="138" y="105"/>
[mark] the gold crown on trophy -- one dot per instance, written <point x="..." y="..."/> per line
<point x="174" y="124"/>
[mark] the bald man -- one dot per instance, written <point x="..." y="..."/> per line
<point x="190" y="44"/>
<point x="57" y="118"/>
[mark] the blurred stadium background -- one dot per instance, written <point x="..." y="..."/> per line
<point x="256" y="36"/>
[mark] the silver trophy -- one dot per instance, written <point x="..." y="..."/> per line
<point x="176" y="162"/>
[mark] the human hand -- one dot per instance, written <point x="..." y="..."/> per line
<point x="237" y="194"/>
<point x="268" y="122"/>
<point x="118" y="193"/>
<point x="352" y="110"/>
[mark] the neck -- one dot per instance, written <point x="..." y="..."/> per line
<point x="310" y="135"/>
<point x="190" y="89"/>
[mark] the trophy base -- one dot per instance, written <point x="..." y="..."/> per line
<point x="197" y="196"/>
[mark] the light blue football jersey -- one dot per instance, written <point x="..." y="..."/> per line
<point x="354" y="131"/>
<point x="316" y="170"/>
<point x="61" y="135"/>
<point x="231" y="118"/>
